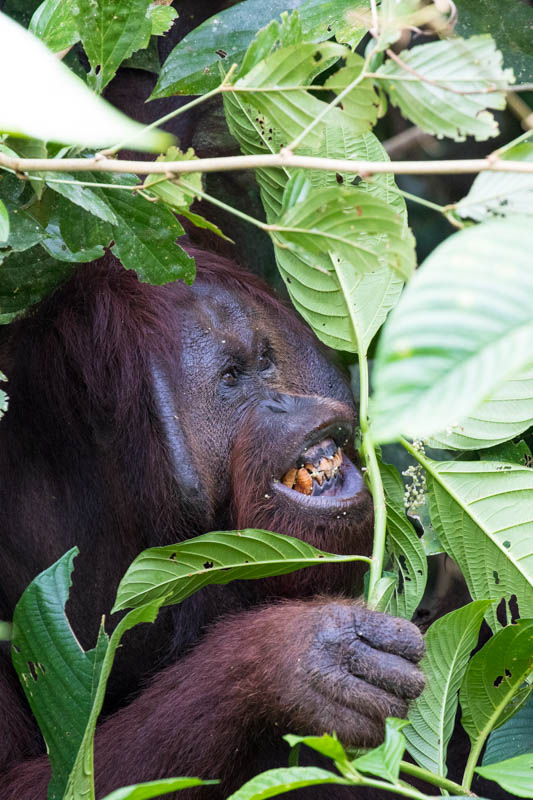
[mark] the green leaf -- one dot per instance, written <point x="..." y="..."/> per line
<point x="384" y="761"/>
<point x="45" y="100"/>
<point x="192" y="67"/>
<point x="326" y="745"/>
<point x="58" y="249"/>
<point x="515" y="452"/>
<point x="486" y="508"/>
<point x="55" y="23"/>
<point x="145" y="791"/>
<point x="81" y="779"/>
<point x="462" y="328"/>
<point x="29" y="276"/>
<point x="4" y="225"/>
<point x="145" y="238"/>
<point x="79" y="230"/>
<point x="111" y="32"/>
<point x="58" y="677"/>
<point x="6" y="628"/>
<point x="507" y="412"/>
<point x="161" y="18"/>
<point x="454" y="96"/>
<point x="82" y="196"/>
<point x="449" y="642"/>
<point x="404" y="546"/>
<point x="285" y="779"/>
<point x="509" y="23"/>
<point x="170" y="574"/>
<point x="346" y="230"/>
<point x="515" y="775"/>
<point x="500" y="194"/>
<point x="513" y="738"/>
<point x="493" y="677"/>
<point x="172" y="193"/>
<point x="278" y="84"/>
<point x="202" y="222"/>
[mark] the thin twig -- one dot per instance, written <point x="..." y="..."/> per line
<point x="283" y="159"/>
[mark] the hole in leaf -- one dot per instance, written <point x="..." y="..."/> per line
<point x="513" y="608"/>
<point x="33" y="670"/>
<point x="317" y="56"/>
<point x="221" y="53"/>
<point x="208" y="565"/>
<point x="172" y="557"/>
<point x="508" y="673"/>
<point x="496" y="577"/>
<point x="501" y="612"/>
<point x="507" y="543"/>
<point x="339" y="178"/>
<point x="16" y="648"/>
<point x="498" y="681"/>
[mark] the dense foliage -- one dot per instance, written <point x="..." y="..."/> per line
<point x="452" y="368"/>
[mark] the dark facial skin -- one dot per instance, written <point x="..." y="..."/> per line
<point x="142" y="416"/>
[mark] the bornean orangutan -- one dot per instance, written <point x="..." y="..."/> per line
<point x="143" y="415"/>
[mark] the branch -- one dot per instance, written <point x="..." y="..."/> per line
<point x="285" y="159"/>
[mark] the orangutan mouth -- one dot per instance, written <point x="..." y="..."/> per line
<point x="319" y="470"/>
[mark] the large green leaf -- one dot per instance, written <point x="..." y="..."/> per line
<point x="145" y="791"/>
<point x="501" y="193"/>
<point x="493" y="677"/>
<point x="111" y="32"/>
<point x="507" y="412"/>
<point x="55" y="23"/>
<point x="170" y="574"/>
<point x="43" y="99"/>
<point x="513" y="738"/>
<point x="384" y="761"/>
<point x="509" y="22"/>
<point x="347" y="230"/>
<point x="515" y="775"/>
<point x="192" y="67"/>
<point x="285" y="779"/>
<point x="462" y="328"/>
<point x="29" y="276"/>
<point x="145" y="238"/>
<point x="58" y="677"/>
<point x="82" y="196"/>
<point x="81" y="779"/>
<point x="483" y="515"/>
<point x="404" y="547"/>
<point x="278" y="84"/>
<point x="449" y="642"/>
<point x="460" y="78"/>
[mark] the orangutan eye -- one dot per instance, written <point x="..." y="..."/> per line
<point x="230" y="377"/>
<point x="264" y="362"/>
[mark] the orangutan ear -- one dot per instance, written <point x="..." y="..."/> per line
<point x="192" y="495"/>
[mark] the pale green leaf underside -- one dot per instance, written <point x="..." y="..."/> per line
<point x="515" y="775"/>
<point x="405" y="548"/>
<point x="170" y="574"/>
<point x="483" y="515"/>
<point x="455" y="65"/>
<point x="493" y="677"/>
<point x="501" y="193"/>
<point x="145" y="791"/>
<point x="508" y="412"/>
<point x="462" y="328"/>
<point x="449" y="642"/>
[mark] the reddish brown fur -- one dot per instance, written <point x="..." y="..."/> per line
<point x="85" y="459"/>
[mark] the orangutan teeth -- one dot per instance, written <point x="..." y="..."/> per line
<point x="303" y="479"/>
